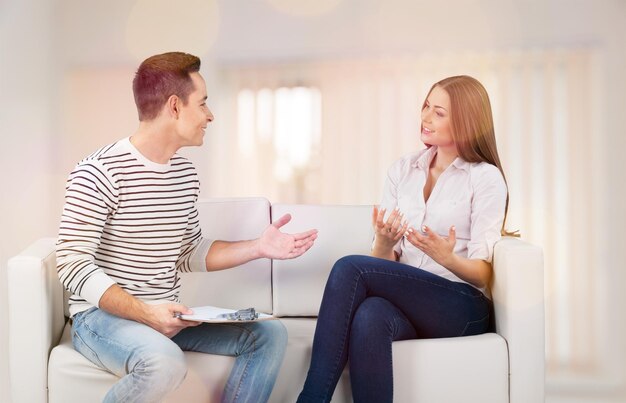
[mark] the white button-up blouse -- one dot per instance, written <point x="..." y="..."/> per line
<point x="470" y="196"/>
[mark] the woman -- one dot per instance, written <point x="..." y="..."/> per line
<point x="443" y="209"/>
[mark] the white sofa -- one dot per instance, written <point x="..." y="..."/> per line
<point x="507" y="366"/>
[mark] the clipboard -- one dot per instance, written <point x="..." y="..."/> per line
<point x="213" y="314"/>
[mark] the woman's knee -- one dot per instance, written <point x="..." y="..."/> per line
<point x="373" y="317"/>
<point x="350" y="261"/>
<point x="345" y="270"/>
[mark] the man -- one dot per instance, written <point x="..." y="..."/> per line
<point x="130" y="223"/>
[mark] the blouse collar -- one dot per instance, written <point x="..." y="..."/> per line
<point x="423" y="161"/>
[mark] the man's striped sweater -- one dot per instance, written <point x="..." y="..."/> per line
<point x="130" y="221"/>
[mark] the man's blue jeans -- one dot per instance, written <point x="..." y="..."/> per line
<point x="370" y="302"/>
<point x="150" y="364"/>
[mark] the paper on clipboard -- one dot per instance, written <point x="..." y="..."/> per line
<point x="211" y="314"/>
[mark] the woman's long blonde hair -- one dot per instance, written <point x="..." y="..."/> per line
<point x="471" y="122"/>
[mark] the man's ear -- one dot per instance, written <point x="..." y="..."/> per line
<point x="173" y="106"/>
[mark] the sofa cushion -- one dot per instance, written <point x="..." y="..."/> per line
<point x="343" y="230"/>
<point x="452" y="369"/>
<point x="74" y="379"/>
<point x="248" y="285"/>
<point x="423" y="369"/>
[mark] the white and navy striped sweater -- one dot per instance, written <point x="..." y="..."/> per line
<point x="130" y="221"/>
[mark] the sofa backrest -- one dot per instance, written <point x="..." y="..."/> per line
<point x="283" y="287"/>
<point x="249" y="285"/>
<point x="298" y="284"/>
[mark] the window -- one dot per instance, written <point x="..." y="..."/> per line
<point x="284" y="122"/>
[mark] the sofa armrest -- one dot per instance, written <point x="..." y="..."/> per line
<point x="518" y="297"/>
<point x="36" y="319"/>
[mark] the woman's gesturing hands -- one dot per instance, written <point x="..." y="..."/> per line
<point x="388" y="233"/>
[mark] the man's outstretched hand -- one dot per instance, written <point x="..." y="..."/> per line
<point x="275" y="244"/>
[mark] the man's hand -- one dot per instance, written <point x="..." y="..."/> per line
<point x="162" y="318"/>
<point x="159" y="317"/>
<point x="275" y="244"/>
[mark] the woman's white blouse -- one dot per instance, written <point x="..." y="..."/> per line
<point x="470" y="196"/>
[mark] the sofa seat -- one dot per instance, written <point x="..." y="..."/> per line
<point x="425" y="365"/>
<point x="74" y="379"/>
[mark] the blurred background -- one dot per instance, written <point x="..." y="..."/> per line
<point x="313" y="100"/>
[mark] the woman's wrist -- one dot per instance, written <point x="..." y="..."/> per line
<point x="383" y="250"/>
<point x="451" y="262"/>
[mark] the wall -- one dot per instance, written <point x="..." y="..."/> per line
<point x="27" y="119"/>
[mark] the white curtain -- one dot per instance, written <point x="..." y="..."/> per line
<point x="548" y="117"/>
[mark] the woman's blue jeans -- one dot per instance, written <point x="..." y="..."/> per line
<point x="370" y="302"/>
<point x="151" y="365"/>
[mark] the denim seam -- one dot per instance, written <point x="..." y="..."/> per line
<point x="395" y="321"/>
<point x="108" y="340"/>
<point x="397" y="326"/>
<point x="471" y="322"/>
<point x="245" y="371"/>
<point x="345" y="333"/>
<point x="366" y="271"/>
<point x="111" y="341"/>
<point x="82" y="341"/>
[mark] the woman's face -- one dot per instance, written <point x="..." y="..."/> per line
<point x="436" y="130"/>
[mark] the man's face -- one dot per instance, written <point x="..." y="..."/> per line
<point x="194" y="115"/>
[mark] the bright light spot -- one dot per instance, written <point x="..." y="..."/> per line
<point x="282" y="120"/>
<point x="282" y="170"/>
<point x="301" y="137"/>
<point x="245" y="122"/>
<point x="288" y="117"/>
<point x="264" y="105"/>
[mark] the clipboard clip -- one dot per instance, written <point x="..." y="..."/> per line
<point x="242" y="314"/>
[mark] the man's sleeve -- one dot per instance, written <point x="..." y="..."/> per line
<point x="194" y="248"/>
<point x="89" y="198"/>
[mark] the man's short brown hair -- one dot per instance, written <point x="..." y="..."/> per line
<point x="161" y="76"/>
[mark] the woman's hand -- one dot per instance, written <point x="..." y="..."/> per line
<point x="388" y="232"/>
<point x="439" y="248"/>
